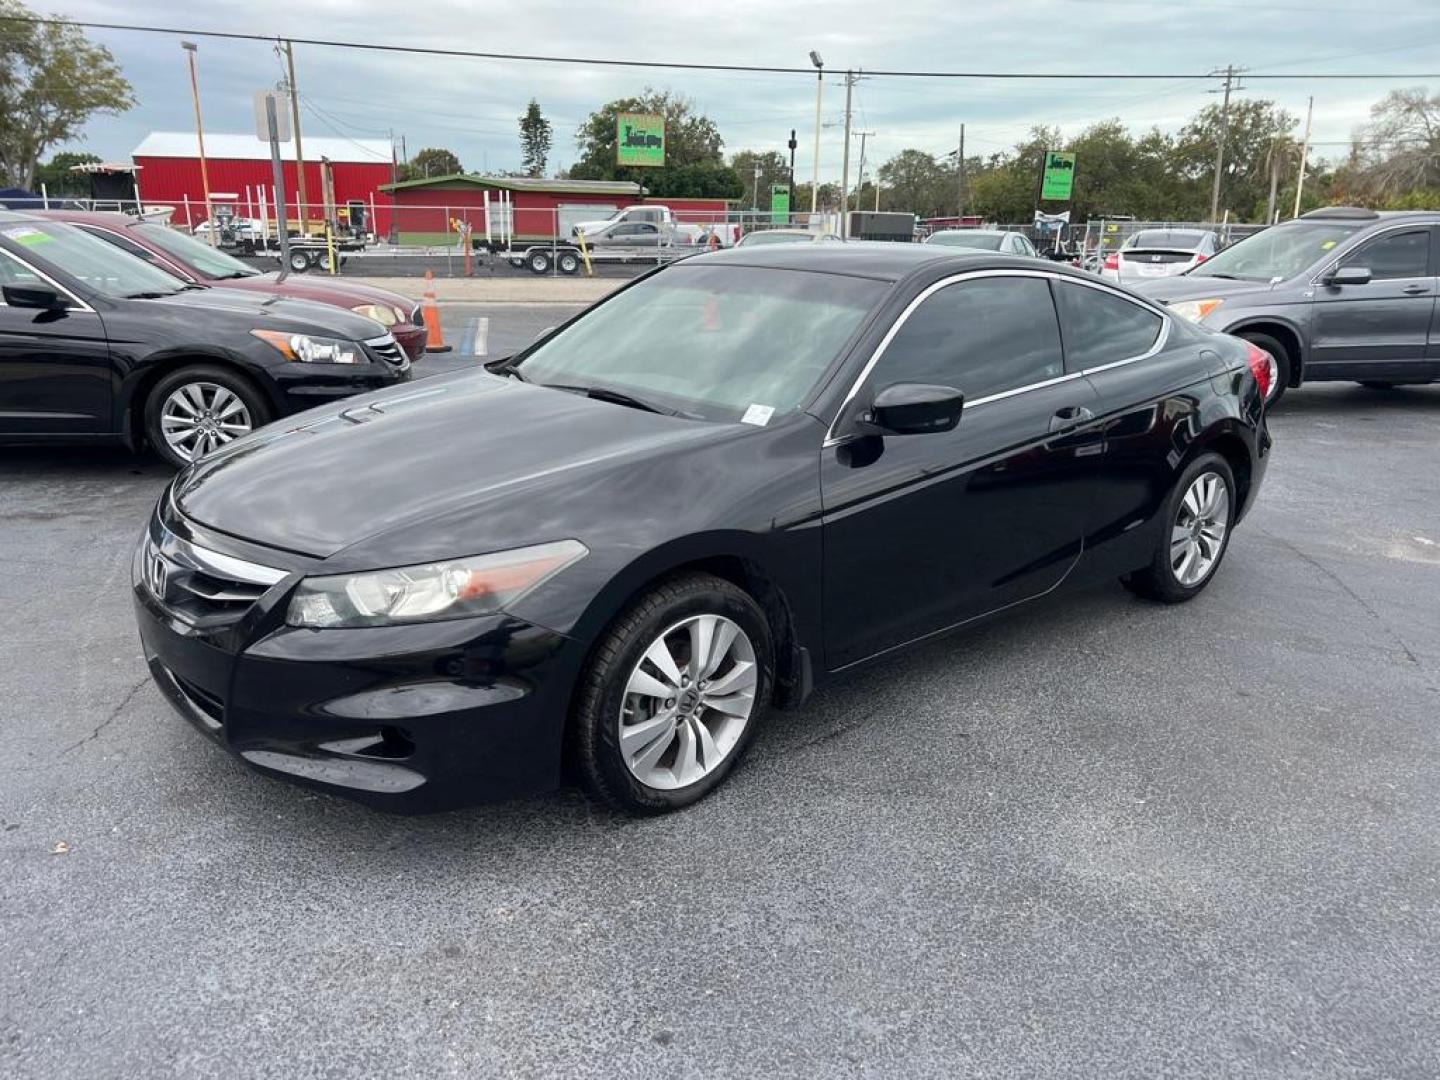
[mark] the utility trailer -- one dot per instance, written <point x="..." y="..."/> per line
<point x="567" y="257"/>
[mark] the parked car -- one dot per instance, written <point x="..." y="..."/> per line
<point x="858" y="447"/>
<point x="233" y="229"/>
<point x="786" y="236"/>
<point x="196" y="261"/>
<point x="97" y="345"/>
<point x="661" y="217"/>
<point x="1158" y="253"/>
<point x="1011" y="243"/>
<point x="1340" y="293"/>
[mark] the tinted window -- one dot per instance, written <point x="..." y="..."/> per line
<point x="15" y="273"/>
<point x="1101" y="328"/>
<point x="956" y="238"/>
<point x="1399" y="255"/>
<point x="1278" y="253"/>
<point x="1177" y="240"/>
<point x="982" y="337"/>
<point x="118" y="241"/>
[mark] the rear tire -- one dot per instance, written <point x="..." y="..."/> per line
<point x="180" y="401"/>
<point x="1283" y="363"/>
<point x="299" y="261"/>
<point x="538" y="262"/>
<point x="568" y="262"/>
<point x="652" y="737"/>
<point x="1195" y="527"/>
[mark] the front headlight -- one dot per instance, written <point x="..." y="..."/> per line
<point x="1195" y="310"/>
<point x="384" y="314"/>
<point x="432" y="591"/>
<point x="309" y="349"/>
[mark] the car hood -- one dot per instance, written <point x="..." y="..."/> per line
<point x="462" y="464"/>
<point x="340" y="293"/>
<point x="266" y="311"/>
<point x="1189" y="287"/>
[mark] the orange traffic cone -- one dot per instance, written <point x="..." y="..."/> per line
<point x="434" y="339"/>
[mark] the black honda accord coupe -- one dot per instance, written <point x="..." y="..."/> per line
<point x="613" y="553"/>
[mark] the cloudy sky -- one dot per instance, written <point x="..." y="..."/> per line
<point x="471" y="106"/>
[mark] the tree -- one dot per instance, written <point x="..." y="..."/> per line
<point x="774" y="169"/>
<point x="1395" y="159"/>
<point x="1254" y="127"/>
<point x="52" y="80"/>
<point x="534" y="139"/>
<point x="432" y="161"/>
<point x="691" y="140"/>
<point x="915" y="181"/>
<point x="56" y="177"/>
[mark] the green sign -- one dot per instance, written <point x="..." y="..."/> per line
<point x="1059" y="175"/>
<point x="779" y="204"/>
<point x="639" y="139"/>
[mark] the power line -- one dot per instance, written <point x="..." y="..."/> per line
<point x="423" y="50"/>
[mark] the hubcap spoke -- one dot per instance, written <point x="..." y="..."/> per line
<point x="688" y="701"/>
<point x="199" y="417"/>
<point x="1197" y="537"/>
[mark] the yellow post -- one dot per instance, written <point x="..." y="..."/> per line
<point x="585" y="254"/>
<point x="330" y="247"/>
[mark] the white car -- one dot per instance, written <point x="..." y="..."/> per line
<point x="1011" y="243"/>
<point x="1159" y="253"/>
<point x="238" y="226"/>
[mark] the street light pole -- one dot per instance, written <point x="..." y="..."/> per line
<point x="191" y="48"/>
<point x="819" y="87"/>
<point x="845" y="166"/>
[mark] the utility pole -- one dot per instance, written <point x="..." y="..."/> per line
<point x="1274" y="158"/>
<point x="1231" y="75"/>
<point x="1304" y="153"/>
<point x="850" y="80"/>
<point x="394" y="205"/>
<point x="960" y="192"/>
<point x="819" y="87"/>
<point x="860" y="173"/>
<point x="300" y="203"/>
<point x="212" y="229"/>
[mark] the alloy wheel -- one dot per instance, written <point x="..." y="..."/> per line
<point x="687" y="702"/>
<point x="197" y="417"/>
<point x="1198" y="535"/>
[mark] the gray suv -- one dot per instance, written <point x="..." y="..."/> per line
<point x="1339" y="293"/>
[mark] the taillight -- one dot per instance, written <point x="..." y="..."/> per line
<point x="1112" y="262"/>
<point x="1263" y="367"/>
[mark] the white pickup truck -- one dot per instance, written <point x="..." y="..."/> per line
<point x="670" y="230"/>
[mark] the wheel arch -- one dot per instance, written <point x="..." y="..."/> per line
<point x="1227" y="441"/>
<point x="734" y="558"/>
<point x="1283" y="331"/>
<point x="136" y="390"/>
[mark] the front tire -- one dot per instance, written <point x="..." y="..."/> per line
<point x="538" y="262"/>
<point x="194" y="410"/>
<point x="1284" y="365"/>
<point x="1198" y="517"/>
<point x="672" y="695"/>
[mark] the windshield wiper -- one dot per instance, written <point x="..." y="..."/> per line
<point x="148" y="295"/>
<point x="618" y="397"/>
<point x="505" y="366"/>
<point x="1227" y="277"/>
<point x="234" y="274"/>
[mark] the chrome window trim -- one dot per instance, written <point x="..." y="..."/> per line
<point x="831" y="439"/>
<point x="1367" y="238"/>
<point x="80" y="305"/>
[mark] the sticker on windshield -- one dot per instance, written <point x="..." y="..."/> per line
<point x="759" y="415"/>
<point x="24" y="234"/>
<point x="1328" y="245"/>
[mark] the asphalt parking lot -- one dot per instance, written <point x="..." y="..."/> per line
<point x="1098" y="838"/>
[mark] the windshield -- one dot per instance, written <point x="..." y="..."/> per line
<point x="718" y="342"/>
<point x="101" y="266"/>
<point x="775" y="238"/>
<point x="195" y="255"/>
<point x="984" y="241"/>
<point x="1157" y="238"/>
<point x="1277" y="254"/>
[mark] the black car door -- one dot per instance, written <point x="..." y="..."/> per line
<point x="55" y="371"/>
<point x="1381" y="328"/>
<point x="923" y="532"/>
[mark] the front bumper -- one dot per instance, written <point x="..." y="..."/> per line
<point x="410" y="719"/>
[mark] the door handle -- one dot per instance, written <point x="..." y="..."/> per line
<point x="1415" y="290"/>
<point x="1068" y="418"/>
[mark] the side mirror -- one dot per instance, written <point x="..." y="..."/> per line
<point x="34" y="296"/>
<point x="916" y="408"/>
<point x="1349" y="275"/>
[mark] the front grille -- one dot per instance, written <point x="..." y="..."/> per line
<point x="203" y="587"/>
<point x="207" y="704"/>
<point x="387" y="350"/>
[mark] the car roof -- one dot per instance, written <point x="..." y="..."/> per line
<point x="89" y="217"/>
<point x="975" y="232"/>
<point x="880" y="259"/>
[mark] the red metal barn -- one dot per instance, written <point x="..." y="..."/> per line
<point x="239" y="165"/>
<point x="529" y="210"/>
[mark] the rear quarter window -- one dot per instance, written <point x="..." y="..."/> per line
<point x="1101" y="328"/>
